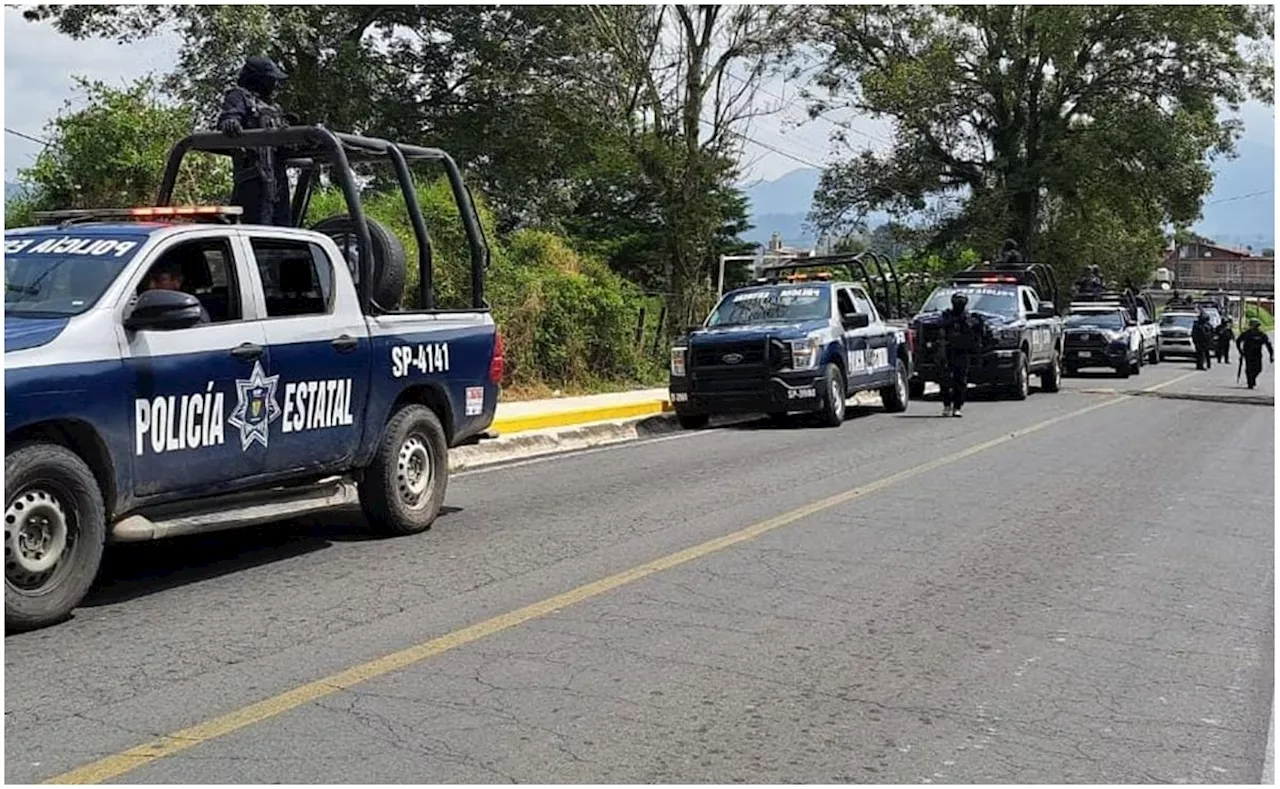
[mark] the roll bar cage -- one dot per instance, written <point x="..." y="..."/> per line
<point x="309" y="148"/>
<point x="888" y="303"/>
<point x="1036" y="275"/>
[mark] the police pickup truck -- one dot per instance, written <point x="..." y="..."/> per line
<point x="799" y="345"/>
<point x="168" y="376"/>
<point x="1022" y="331"/>
<point x="1115" y="330"/>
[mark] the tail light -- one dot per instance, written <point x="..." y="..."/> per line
<point x="497" y="364"/>
<point x="911" y="341"/>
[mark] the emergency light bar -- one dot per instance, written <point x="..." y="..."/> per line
<point x="67" y="216"/>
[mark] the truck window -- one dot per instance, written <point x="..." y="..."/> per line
<point x="297" y="277"/>
<point x="862" y="304"/>
<point x="844" y="303"/>
<point x="205" y="268"/>
<point x="1028" y="303"/>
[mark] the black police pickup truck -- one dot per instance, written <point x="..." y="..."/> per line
<point x="1112" y="329"/>
<point x="1022" y="335"/>
<point x="802" y="344"/>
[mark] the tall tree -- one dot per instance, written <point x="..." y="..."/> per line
<point x="1042" y="120"/>
<point x="685" y="79"/>
<point x="496" y="86"/>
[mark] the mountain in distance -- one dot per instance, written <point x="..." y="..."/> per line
<point x="782" y="205"/>
<point x="11" y="190"/>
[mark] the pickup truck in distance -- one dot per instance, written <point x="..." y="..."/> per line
<point x="799" y="345"/>
<point x="170" y="371"/>
<point x="1022" y="335"/>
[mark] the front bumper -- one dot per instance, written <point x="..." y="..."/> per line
<point x="1079" y="358"/>
<point x="1177" y="346"/>
<point x="990" y="367"/>
<point x="778" y="392"/>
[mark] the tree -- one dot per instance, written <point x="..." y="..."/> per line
<point x="112" y="153"/>
<point x="500" y="88"/>
<point x="1041" y="121"/>
<point x="670" y="73"/>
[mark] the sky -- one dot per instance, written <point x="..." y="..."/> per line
<point x="39" y="65"/>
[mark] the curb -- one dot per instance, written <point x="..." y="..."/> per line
<point x="579" y="416"/>
<point x="556" y="436"/>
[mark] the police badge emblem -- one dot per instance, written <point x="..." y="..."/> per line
<point x="256" y="407"/>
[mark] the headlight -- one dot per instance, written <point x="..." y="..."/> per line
<point x="1009" y="335"/>
<point x="804" y="353"/>
<point x="677" y="361"/>
<point x="1117" y="336"/>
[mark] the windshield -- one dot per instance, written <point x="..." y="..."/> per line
<point x="1002" y="301"/>
<point x="775" y="303"/>
<point x="1097" y="320"/>
<point x="1181" y="321"/>
<point x="52" y="275"/>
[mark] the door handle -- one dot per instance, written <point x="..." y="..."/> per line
<point x="247" y="352"/>
<point x="345" y="344"/>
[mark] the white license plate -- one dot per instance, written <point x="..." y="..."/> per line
<point x="801" y="394"/>
<point x="1086" y="353"/>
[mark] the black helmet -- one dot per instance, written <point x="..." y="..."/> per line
<point x="958" y="301"/>
<point x="1255" y="323"/>
<point x="261" y="75"/>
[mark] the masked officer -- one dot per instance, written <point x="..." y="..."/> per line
<point x="261" y="180"/>
<point x="1225" y="336"/>
<point x="1009" y="253"/>
<point x="1202" y="339"/>
<point x="961" y="339"/>
<point x="1250" y="344"/>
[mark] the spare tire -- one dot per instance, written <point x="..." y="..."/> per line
<point x="388" y="256"/>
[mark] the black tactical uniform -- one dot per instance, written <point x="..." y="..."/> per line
<point x="1225" y="336"/>
<point x="261" y="180"/>
<point x="1202" y="339"/>
<point x="961" y="340"/>
<point x="1250" y="344"/>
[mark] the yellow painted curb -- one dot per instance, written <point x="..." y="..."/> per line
<point x="578" y="416"/>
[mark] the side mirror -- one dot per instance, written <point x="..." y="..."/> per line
<point x="855" y="320"/>
<point x="163" y="309"/>
<point x="1046" y="311"/>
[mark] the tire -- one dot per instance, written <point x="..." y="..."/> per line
<point x="389" y="259"/>
<point x="1136" y="366"/>
<point x="50" y="489"/>
<point x="1069" y="370"/>
<point x="896" y="397"/>
<point x="915" y="389"/>
<point x="1021" y="385"/>
<point x="1051" y="378"/>
<point x="1124" y="370"/>
<point x="1155" y="354"/>
<point x="834" y="394"/>
<point x="395" y="498"/>
<point x="692" y="421"/>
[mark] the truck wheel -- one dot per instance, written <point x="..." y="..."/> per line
<point x="915" y="388"/>
<point x="1155" y="354"/>
<point x="692" y="421"/>
<point x="54" y="527"/>
<point x="833" y="397"/>
<point x="403" y="488"/>
<point x="1051" y="377"/>
<point x="1136" y="366"/>
<point x="1123" y="370"/>
<point x="1021" y="385"/>
<point x="389" y="258"/>
<point x="896" y="397"/>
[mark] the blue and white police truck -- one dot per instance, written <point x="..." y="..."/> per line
<point x="800" y="343"/>
<point x="170" y="371"/>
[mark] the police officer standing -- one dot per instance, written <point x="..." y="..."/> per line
<point x="1225" y="336"/>
<point x="1250" y="344"/>
<point x="261" y="179"/>
<point x="961" y="339"/>
<point x="1202" y="339"/>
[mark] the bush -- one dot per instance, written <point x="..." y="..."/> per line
<point x="567" y="320"/>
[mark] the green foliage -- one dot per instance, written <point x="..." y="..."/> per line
<point x="1079" y="131"/>
<point x="1261" y="313"/>
<point x="566" y="318"/>
<point x="112" y="152"/>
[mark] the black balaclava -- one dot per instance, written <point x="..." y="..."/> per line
<point x="261" y="76"/>
<point x="958" y="302"/>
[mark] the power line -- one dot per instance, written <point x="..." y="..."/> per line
<point x="767" y="146"/>
<point x="27" y="137"/>
<point x="1240" y="197"/>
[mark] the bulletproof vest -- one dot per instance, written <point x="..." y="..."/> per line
<point x="260" y="162"/>
<point x="1252" y="340"/>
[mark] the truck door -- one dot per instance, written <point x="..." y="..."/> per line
<point x="197" y="392"/>
<point x="320" y="354"/>
<point x="1037" y="329"/>
<point x="866" y="349"/>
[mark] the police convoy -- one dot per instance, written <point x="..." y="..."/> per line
<point x="170" y="371"/>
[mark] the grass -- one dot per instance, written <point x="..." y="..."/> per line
<point x="1255" y="311"/>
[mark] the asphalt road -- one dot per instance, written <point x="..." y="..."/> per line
<point x="1000" y="598"/>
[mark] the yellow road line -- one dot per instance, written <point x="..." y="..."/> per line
<point x="118" y="764"/>
<point x="578" y="416"/>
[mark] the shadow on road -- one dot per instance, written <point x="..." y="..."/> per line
<point x="136" y="570"/>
